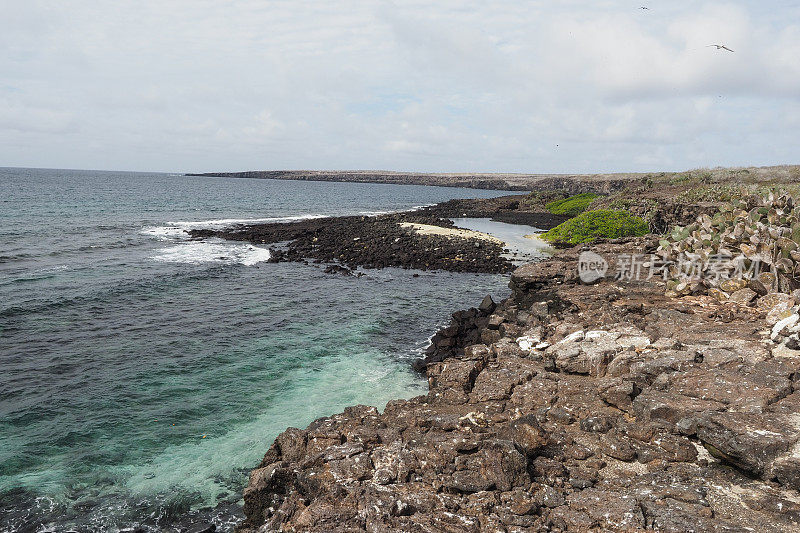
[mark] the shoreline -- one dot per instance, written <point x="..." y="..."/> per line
<point x="560" y="407"/>
<point x="581" y="407"/>
<point x="611" y="406"/>
<point x="424" y="239"/>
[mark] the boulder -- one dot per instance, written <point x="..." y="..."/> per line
<point x="743" y="296"/>
<point x="733" y="285"/>
<point x="487" y="306"/>
<point x="749" y="441"/>
<point x="527" y="435"/>
<point x="675" y="410"/>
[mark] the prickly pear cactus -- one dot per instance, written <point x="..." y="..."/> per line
<point x="754" y="239"/>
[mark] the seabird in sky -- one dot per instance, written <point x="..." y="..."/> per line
<point x="720" y="47"/>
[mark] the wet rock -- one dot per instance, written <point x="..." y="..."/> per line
<point x="202" y="528"/>
<point x="487" y="306"/>
<point x="338" y="269"/>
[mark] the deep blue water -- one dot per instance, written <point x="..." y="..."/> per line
<point x="143" y="375"/>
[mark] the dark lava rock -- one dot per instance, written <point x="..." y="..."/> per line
<point x="487" y="306"/>
<point x="338" y="269"/>
<point x="370" y="242"/>
<point x="202" y="528"/>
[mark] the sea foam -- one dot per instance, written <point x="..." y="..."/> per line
<point x="208" y="252"/>
<point x="178" y="229"/>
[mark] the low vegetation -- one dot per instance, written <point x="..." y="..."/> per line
<point x="713" y="193"/>
<point x="599" y="224"/>
<point x="748" y="237"/>
<point x="572" y="206"/>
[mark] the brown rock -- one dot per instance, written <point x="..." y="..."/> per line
<point x="617" y="392"/>
<point x="743" y="391"/>
<point x="675" y="410"/>
<point x="497" y="464"/>
<point x="733" y="285"/>
<point x="743" y="296"/>
<point x="527" y="435"/>
<point x="748" y="441"/>
<point x="610" y="510"/>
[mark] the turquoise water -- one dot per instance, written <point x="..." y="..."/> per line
<point x="142" y="375"/>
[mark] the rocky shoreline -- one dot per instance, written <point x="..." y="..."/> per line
<point x="572" y="407"/>
<point x="347" y="243"/>
<point x="613" y="406"/>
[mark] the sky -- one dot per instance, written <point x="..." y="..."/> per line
<point x="442" y="86"/>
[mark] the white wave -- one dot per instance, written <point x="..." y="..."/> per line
<point x="178" y="229"/>
<point x="222" y="222"/>
<point x="164" y="233"/>
<point x="209" y="252"/>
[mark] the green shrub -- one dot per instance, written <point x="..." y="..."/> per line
<point x="572" y="206"/>
<point x="591" y="225"/>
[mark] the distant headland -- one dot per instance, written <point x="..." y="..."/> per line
<point x="520" y="182"/>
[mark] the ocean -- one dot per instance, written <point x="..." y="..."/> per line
<point x="142" y="375"/>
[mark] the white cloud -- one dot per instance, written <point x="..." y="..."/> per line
<point x="498" y="86"/>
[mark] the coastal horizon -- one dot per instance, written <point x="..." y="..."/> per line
<point x="512" y="267"/>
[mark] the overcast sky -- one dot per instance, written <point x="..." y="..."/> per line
<point x="505" y="86"/>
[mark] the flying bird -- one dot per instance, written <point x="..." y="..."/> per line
<point x="720" y="47"/>
<point x="644" y="7"/>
